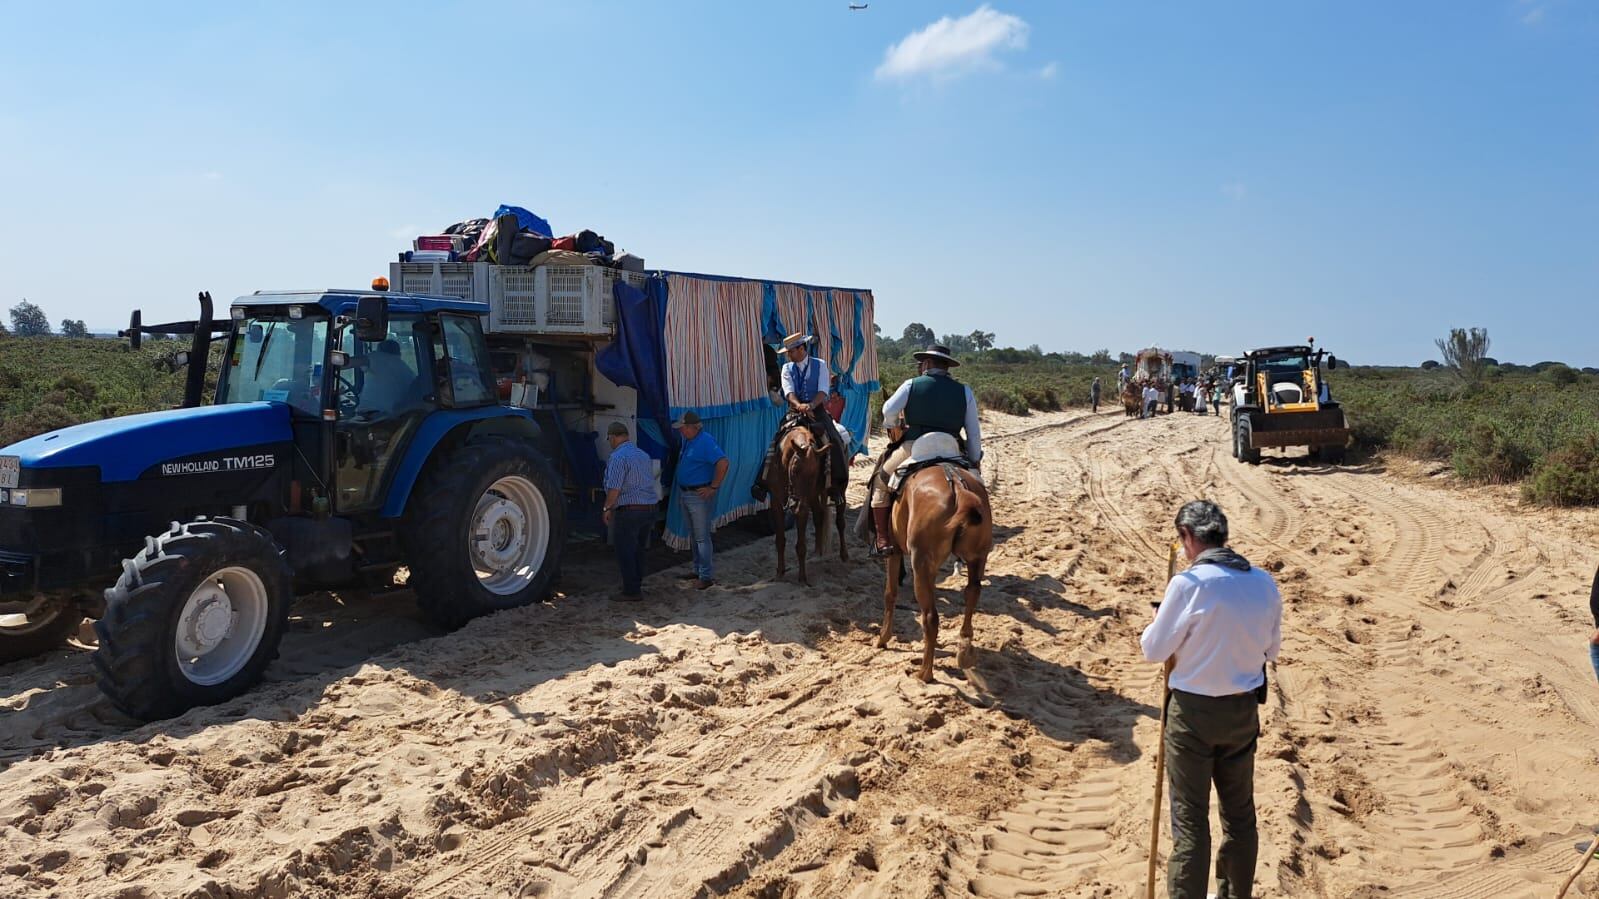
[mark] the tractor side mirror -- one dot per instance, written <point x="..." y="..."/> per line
<point x="372" y="319"/>
<point x="256" y="333"/>
<point x="1332" y="363"/>
<point x="181" y="359"/>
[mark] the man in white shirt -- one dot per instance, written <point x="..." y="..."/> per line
<point x="932" y="402"/>
<point x="1151" y="397"/>
<point x="1219" y="625"/>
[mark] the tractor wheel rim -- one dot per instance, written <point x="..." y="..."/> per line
<point x="509" y="535"/>
<point x="221" y="625"/>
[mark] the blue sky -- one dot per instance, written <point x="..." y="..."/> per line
<point x="1196" y="175"/>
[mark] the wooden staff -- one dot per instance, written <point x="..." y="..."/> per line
<point x="1160" y="749"/>
<point x="1577" y="871"/>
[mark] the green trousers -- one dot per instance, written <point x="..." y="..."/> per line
<point x="1211" y="740"/>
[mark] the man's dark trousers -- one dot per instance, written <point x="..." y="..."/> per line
<point x="630" y="530"/>
<point x="1212" y="739"/>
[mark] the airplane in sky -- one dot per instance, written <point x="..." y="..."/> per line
<point x="859" y="5"/>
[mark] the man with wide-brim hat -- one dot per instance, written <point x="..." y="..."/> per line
<point x="931" y="402"/>
<point x="807" y="384"/>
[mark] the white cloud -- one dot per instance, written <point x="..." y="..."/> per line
<point x="1534" y="16"/>
<point x="211" y="176"/>
<point x="952" y="47"/>
<point x="1049" y="71"/>
<point x="1235" y="191"/>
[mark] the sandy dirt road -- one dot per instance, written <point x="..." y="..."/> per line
<point x="1433" y="729"/>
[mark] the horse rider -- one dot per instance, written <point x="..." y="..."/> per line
<point x="807" y="385"/>
<point x="931" y="402"/>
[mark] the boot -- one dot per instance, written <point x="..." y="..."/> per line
<point x="883" y="521"/>
<point x="758" y="490"/>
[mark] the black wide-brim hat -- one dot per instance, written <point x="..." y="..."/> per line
<point x="939" y="352"/>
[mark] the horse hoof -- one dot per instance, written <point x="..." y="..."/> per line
<point x="925" y="677"/>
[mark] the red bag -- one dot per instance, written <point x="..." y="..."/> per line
<point x="569" y="242"/>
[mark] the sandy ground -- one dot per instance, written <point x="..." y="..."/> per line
<point x="1433" y="729"/>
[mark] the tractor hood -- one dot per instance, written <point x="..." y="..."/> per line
<point x="124" y="448"/>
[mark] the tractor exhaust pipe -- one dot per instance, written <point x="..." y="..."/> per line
<point x="199" y="355"/>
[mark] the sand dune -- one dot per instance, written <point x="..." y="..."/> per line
<point x="1433" y="729"/>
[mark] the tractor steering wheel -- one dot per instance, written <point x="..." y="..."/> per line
<point x="349" y="396"/>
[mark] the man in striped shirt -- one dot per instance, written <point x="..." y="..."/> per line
<point x="630" y="500"/>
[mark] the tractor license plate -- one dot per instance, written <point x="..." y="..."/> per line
<point x="10" y="469"/>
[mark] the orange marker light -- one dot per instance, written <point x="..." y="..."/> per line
<point x="380" y="283"/>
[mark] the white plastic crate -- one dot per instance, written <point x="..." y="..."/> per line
<point x="442" y="279"/>
<point x="548" y="299"/>
<point x="608" y="298"/>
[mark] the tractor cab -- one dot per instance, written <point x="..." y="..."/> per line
<point x="359" y="374"/>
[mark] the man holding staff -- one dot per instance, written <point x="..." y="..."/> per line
<point x="1219" y="624"/>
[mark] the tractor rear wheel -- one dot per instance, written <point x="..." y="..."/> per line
<point x="44" y="626"/>
<point x="484" y="531"/>
<point x="195" y="618"/>
<point x="1243" y="435"/>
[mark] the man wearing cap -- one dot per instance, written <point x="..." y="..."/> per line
<point x="701" y="466"/>
<point x="807" y="385"/>
<point x="629" y="507"/>
<point x="933" y="401"/>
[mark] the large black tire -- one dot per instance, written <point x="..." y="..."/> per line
<point x="41" y="632"/>
<point x="437" y="535"/>
<point x="139" y="664"/>
<point x="1243" y="433"/>
<point x="1332" y="455"/>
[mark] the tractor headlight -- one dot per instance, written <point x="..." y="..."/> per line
<point x="35" y="497"/>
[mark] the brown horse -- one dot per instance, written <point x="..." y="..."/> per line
<point x="942" y="510"/>
<point x="802" y="463"/>
<point x="1132" y="400"/>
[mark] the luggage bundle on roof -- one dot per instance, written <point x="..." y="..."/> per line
<point x="534" y="283"/>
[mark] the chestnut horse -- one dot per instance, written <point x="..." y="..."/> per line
<point x="802" y="474"/>
<point x="942" y="510"/>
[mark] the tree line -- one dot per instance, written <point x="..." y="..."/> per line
<point x="918" y="336"/>
<point x="28" y="320"/>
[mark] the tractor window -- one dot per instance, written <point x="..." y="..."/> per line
<point x="383" y="398"/>
<point x="466" y="362"/>
<point x="277" y="359"/>
<point x="1291" y="366"/>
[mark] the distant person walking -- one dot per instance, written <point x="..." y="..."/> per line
<point x="701" y="466"/>
<point x="1093" y="394"/>
<point x="1219" y="624"/>
<point x="630" y="499"/>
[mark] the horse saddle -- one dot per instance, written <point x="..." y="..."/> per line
<point x="929" y="449"/>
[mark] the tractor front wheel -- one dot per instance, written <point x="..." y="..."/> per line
<point x="195" y="618"/>
<point x="46" y="624"/>
<point x="485" y="531"/>
<point x="1245" y="434"/>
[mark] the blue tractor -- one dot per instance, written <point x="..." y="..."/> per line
<point x="352" y="433"/>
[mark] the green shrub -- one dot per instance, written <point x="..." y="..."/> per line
<point x="40" y="419"/>
<point x="1489" y="455"/>
<point x="1042" y="398"/>
<point x="1561" y="375"/>
<point x="1568" y="476"/>
<point x="1001" y="400"/>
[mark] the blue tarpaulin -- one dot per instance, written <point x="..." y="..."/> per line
<point x="526" y="220"/>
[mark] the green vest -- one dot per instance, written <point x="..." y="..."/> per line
<point x="937" y="403"/>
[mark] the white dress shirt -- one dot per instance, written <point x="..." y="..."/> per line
<point x="894" y="408"/>
<point x="1222" y="625"/>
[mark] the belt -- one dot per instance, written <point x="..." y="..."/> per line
<point x="636" y="507"/>
<point x="688" y="487"/>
